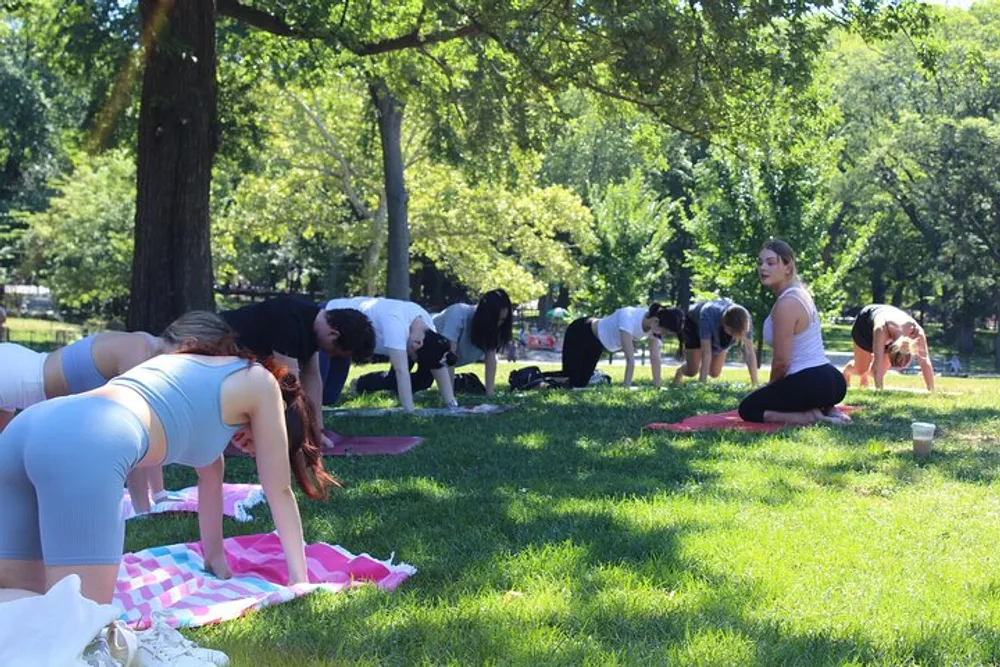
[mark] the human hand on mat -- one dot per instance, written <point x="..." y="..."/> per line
<point x="219" y="566"/>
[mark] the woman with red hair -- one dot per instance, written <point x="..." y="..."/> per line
<point x="63" y="462"/>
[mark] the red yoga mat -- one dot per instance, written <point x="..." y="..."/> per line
<point x="724" y="420"/>
<point x="359" y="445"/>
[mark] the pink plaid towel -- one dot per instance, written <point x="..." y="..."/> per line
<point x="172" y="582"/>
<point x="236" y="500"/>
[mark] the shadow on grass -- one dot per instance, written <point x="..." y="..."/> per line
<point x="531" y="500"/>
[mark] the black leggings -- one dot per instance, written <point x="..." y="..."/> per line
<point x="817" y="387"/>
<point x="581" y="352"/>
<point x="386" y="380"/>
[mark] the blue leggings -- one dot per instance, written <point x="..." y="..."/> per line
<point x="334" y="371"/>
<point x="63" y="465"/>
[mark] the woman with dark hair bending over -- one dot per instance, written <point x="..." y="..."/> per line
<point x="63" y="462"/>
<point x="804" y="386"/>
<point x="886" y="336"/>
<point x="478" y="332"/>
<point x="710" y="329"/>
<point x="588" y="338"/>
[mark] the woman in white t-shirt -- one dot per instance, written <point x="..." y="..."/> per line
<point x="400" y="330"/>
<point x="588" y="338"/>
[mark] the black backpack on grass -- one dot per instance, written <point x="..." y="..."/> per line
<point x="529" y="377"/>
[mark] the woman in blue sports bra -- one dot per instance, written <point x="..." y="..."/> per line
<point x="30" y="377"/>
<point x="63" y="462"/>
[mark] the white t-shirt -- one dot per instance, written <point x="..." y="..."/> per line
<point x="390" y="318"/>
<point x="627" y="319"/>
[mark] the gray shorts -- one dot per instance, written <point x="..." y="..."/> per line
<point x="63" y="465"/>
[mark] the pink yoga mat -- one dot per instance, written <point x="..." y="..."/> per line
<point x="724" y="420"/>
<point x="359" y="445"/>
<point x="172" y="583"/>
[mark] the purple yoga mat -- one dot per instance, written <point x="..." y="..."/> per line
<point x="359" y="445"/>
<point x="370" y="445"/>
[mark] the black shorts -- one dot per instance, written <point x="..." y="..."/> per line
<point x="690" y="334"/>
<point x="863" y="331"/>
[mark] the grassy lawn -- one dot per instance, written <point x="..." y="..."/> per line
<point x="41" y="334"/>
<point x="560" y="534"/>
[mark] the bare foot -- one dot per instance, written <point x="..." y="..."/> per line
<point x="835" y="416"/>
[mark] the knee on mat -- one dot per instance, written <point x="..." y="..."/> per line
<point x="749" y="412"/>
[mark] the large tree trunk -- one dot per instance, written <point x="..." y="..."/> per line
<point x="390" y="129"/>
<point x="178" y="136"/>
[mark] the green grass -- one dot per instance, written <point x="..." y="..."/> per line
<point x="41" y="334"/>
<point x="812" y="546"/>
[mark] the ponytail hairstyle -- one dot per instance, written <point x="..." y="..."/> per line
<point x="199" y="328"/>
<point x="901" y="352"/>
<point x="304" y="437"/>
<point x="671" y="319"/>
<point x="487" y="331"/>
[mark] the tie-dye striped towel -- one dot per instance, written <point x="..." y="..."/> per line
<point x="237" y="499"/>
<point x="172" y="582"/>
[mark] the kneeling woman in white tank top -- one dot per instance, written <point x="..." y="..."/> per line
<point x="804" y="386"/>
<point x="63" y="462"/>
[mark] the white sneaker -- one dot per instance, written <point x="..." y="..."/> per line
<point x="98" y="654"/>
<point x="114" y="646"/>
<point x="122" y="643"/>
<point x="163" y="646"/>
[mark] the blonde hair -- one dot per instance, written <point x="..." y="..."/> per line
<point x="901" y="352"/>
<point x="737" y="318"/>
<point x="199" y="327"/>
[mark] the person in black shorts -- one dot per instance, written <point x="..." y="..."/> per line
<point x="885" y="336"/>
<point x="297" y="332"/>
<point x="710" y="329"/>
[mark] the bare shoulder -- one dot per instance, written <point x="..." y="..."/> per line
<point x="788" y="308"/>
<point x="259" y="380"/>
<point x="244" y="391"/>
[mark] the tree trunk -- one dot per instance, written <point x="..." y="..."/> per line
<point x="390" y="126"/>
<point x="172" y="266"/>
<point x="897" y="295"/>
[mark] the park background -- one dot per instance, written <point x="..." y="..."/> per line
<point x="163" y="156"/>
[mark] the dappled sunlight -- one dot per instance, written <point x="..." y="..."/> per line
<point x="532" y="440"/>
<point x="560" y="532"/>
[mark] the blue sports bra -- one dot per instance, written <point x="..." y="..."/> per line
<point x="185" y="393"/>
<point x="78" y="366"/>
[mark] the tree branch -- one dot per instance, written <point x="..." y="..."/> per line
<point x="277" y="26"/>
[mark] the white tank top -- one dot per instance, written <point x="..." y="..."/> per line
<point x="807" y="346"/>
